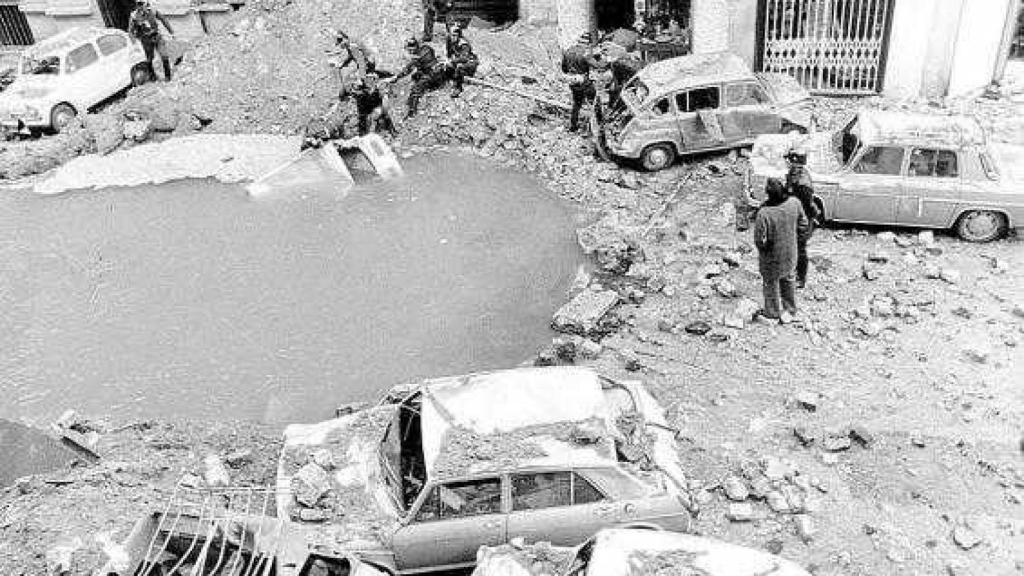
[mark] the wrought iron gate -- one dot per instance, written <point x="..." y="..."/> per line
<point x="830" y="46"/>
<point x="14" y="28"/>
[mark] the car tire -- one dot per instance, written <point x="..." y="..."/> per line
<point x="141" y="75"/>
<point x="981" y="225"/>
<point x="658" y="157"/>
<point x="61" y="116"/>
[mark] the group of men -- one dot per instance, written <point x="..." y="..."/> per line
<point x="782" y="229"/>
<point x="583" y="62"/>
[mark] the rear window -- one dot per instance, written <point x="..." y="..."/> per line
<point x="111" y="43"/>
<point x="884" y="160"/>
<point x="536" y="490"/>
<point x="81" y="57"/>
<point x="933" y="163"/>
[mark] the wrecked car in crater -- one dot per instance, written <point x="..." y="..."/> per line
<point x="697" y="103"/>
<point x="437" y="469"/>
<point x="903" y="169"/>
<point x="633" y="552"/>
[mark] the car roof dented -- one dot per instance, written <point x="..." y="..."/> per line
<point x="689" y="71"/>
<point x="884" y="126"/>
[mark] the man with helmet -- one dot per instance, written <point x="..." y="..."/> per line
<point x="577" y="63"/>
<point x="427" y="73"/>
<point x="143" y="25"/>
<point x="354" y="60"/>
<point x="462" y="61"/>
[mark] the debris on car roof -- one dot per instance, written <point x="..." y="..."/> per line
<point x="907" y="127"/>
<point x="686" y="71"/>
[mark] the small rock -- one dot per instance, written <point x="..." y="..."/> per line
<point x="239" y="458"/>
<point x="862" y="436"/>
<point x="725" y="288"/>
<point x="704" y="292"/>
<point x="775" y="469"/>
<point x="760" y="486"/>
<point x="777" y="502"/>
<point x="312" y="515"/>
<point x="878" y="257"/>
<point x="734" y="259"/>
<point x="917" y="441"/>
<point x="310" y="484"/>
<point x="741" y="512"/>
<point x="949" y="275"/>
<point x="590" y="349"/>
<point x="904" y="242"/>
<point x="698" y="328"/>
<point x="979" y="354"/>
<point x="804" y="435"/>
<point x="965" y="537"/>
<point x="807" y="400"/>
<point x="215" y="474"/>
<point x="836" y="442"/>
<point x="871" y="271"/>
<point x="926" y="238"/>
<point x="735" y="489"/>
<point x="666" y="326"/>
<point x="886" y="236"/>
<point x="774" y="546"/>
<point x="805" y="528"/>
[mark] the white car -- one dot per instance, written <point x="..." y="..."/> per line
<point x="69" y="73"/>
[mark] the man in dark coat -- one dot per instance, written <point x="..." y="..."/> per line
<point x="462" y="60"/>
<point x="432" y="11"/>
<point x="144" y="25"/>
<point x="780" y="226"/>
<point x="427" y="73"/>
<point x="799" y="186"/>
<point x="372" y="107"/>
<point x="577" y="63"/>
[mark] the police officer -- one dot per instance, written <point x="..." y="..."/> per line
<point x="427" y="73"/>
<point x="462" y="60"/>
<point x="143" y="25"/>
<point x="577" y="63"/>
<point x="432" y="10"/>
<point x="372" y="107"/>
<point x="799" y="186"/>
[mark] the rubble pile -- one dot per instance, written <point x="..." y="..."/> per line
<point x="773" y="485"/>
<point x="521" y="559"/>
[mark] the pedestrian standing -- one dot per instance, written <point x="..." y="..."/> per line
<point x="577" y="63"/>
<point x="462" y="59"/>
<point x="433" y="10"/>
<point x="144" y="25"/>
<point x="779" y="227"/>
<point x="799" y="186"/>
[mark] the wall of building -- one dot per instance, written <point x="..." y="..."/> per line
<point x="711" y="25"/>
<point x="921" y="47"/>
<point x="976" y="52"/>
<point x="575" y="17"/>
<point x="538" y="11"/>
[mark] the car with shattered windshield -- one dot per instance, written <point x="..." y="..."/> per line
<point x="438" y="469"/>
<point x="904" y="169"/>
<point x="697" y="103"/>
<point x="68" y="74"/>
<point x="629" y="552"/>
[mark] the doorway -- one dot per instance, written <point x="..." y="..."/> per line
<point x="116" y="12"/>
<point x="614" y="14"/>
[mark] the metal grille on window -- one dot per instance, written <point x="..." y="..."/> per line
<point x="14" y="29"/>
<point x="830" y="46"/>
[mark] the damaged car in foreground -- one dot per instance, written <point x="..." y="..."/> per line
<point x="628" y="552"/>
<point x="904" y="169"/>
<point x="440" y="468"/>
<point x="697" y="103"/>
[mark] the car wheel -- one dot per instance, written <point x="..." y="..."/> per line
<point x="140" y="75"/>
<point x="658" y="157"/>
<point x="981" y="225"/>
<point x="61" y="116"/>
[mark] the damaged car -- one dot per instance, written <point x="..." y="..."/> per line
<point x="697" y="103"/>
<point x="626" y="552"/>
<point x="903" y="169"/>
<point x="440" y="468"/>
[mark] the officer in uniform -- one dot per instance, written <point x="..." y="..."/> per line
<point x="462" y="60"/>
<point x="577" y="63"/>
<point x="143" y="25"/>
<point x="372" y="107"/>
<point x="432" y="10"/>
<point x="799" y="186"/>
<point x="427" y="73"/>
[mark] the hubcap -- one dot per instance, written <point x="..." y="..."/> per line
<point x="657" y="158"/>
<point x="982" y="224"/>
<point x="63" y="119"/>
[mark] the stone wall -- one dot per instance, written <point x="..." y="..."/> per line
<point x="574" y="18"/>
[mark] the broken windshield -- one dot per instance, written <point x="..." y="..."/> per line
<point x="46" y="65"/>
<point x="847" y="140"/>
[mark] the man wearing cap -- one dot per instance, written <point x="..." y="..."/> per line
<point x="577" y="63"/>
<point x="143" y="26"/>
<point x="799" y="186"/>
<point x="462" y="60"/>
<point x="427" y="73"/>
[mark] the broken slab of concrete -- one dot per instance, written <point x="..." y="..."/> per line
<point x="582" y="314"/>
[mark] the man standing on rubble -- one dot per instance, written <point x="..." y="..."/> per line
<point x="462" y="60"/>
<point x="372" y="107"/>
<point x="577" y="63"/>
<point x="354" y="60"/>
<point x="143" y="25"/>
<point x="432" y="10"/>
<point x="780" y="226"/>
<point x="799" y="186"/>
<point x="427" y="73"/>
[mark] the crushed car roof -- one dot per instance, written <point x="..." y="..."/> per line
<point x="881" y="126"/>
<point x="688" y="71"/>
<point x="518" y="418"/>
<point x="632" y="551"/>
<point x="66" y="40"/>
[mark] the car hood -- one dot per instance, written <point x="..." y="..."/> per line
<point x="768" y="156"/>
<point x="356" y="509"/>
<point x="29" y="87"/>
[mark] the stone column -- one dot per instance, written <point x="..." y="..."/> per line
<point x="574" y="18"/>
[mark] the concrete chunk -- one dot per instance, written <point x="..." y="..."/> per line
<point x="582" y="314"/>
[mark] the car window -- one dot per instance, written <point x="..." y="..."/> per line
<point x="81" y="57"/>
<point x="461" y="500"/>
<point x="661" y="107"/>
<point x="702" y="99"/>
<point x="885" y="160"/>
<point x="111" y="43"/>
<point x="551" y="489"/>
<point x="745" y="94"/>
<point x="934" y="163"/>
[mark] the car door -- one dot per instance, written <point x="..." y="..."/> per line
<point x="868" y="191"/>
<point x="453" y="520"/>
<point x="932" y="188"/>
<point x="660" y="123"/>
<point x="698" y="117"/>
<point x="85" y="77"/>
<point x="561" y="507"/>
<point x="749" y="105"/>
<point x="115" y="60"/>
